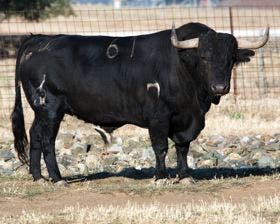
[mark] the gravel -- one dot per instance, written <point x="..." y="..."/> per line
<point x="82" y="155"/>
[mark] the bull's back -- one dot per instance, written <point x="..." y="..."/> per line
<point x="95" y="86"/>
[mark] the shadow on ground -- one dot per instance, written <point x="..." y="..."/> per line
<point x="198" y="174"/>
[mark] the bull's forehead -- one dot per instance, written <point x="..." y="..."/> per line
<point x="217" y="45"/>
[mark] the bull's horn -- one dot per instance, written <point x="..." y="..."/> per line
<point x="191" y="43"/>
<point x="245" y="44"/>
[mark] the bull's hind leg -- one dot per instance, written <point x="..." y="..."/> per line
<point x="35" y="150"/>
<point x="43" y="135"/>
<point x="48" y="143"/>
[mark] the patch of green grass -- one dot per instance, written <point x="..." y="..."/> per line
<point x="235" y="115"/>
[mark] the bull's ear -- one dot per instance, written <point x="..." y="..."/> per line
<point x="243" y="55"/>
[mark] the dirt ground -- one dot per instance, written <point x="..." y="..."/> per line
<point x="118" y="191"/>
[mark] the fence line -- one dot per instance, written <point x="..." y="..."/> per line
<point x="256" y="85"/>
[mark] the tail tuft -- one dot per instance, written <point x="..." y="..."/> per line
<point x="20" y="137"/>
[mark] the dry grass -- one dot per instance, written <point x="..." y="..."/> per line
<point x="244" y="117"/>
<point x="141" y="201"/>
<point x="149" y="188"/>
<point x="22" y="186"/>
<point x="260" y="211"/>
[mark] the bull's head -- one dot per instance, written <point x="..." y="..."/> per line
<point x="217" y="53"/>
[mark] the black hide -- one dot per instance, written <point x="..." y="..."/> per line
<point x="142" y="80"/>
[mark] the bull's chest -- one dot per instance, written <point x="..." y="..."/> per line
<point x="190" y="122"/>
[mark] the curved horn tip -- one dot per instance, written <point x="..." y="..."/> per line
<point x="173" y="34"/>
<point x="243" y="44"/>
<point x="266" y="35"/>
<point x="173" y="25"/>
<point x="266" y="32"/>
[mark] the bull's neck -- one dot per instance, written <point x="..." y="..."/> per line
<point x="201" y="94"/>
<point x="204" y="100"/>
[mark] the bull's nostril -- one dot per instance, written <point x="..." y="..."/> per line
<point x="219" y="88"/>
<point x="226" y="88"/>
<point x="213" y="87"/>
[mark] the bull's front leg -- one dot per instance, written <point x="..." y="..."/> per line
<point x="182" y="144"/>
<point x="158" y="135"/>
<point x="182" y="164"/>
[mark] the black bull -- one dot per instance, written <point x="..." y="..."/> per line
<point x="160" y="81"/>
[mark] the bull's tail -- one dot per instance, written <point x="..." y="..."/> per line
<point x="17" y="117"/>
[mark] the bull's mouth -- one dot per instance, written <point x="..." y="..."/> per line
<point x="220" y="93"/>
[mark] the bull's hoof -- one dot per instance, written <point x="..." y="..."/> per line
<point x="185" y="181"/>
<point x="162" y="182"/>
<point x="61" y="183"/>
<point x="161" y="175"/>
<point x="42" y="181"/>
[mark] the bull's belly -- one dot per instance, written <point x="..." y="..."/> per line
<point x="107" y="113"/>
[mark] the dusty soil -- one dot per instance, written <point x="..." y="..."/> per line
<point x="124" y="190"/>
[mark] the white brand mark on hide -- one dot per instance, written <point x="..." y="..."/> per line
<point x="154" y="85"/>
<point x="42" y="100"/>
<point x="42" y="83"/>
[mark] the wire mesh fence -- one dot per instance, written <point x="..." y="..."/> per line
<point x="255" y="85"/>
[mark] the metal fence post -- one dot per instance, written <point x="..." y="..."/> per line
<point x="234" y="72"/>
<point x="261" y="74"/>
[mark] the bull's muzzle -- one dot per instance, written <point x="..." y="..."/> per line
<point x="220" y="89"/>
